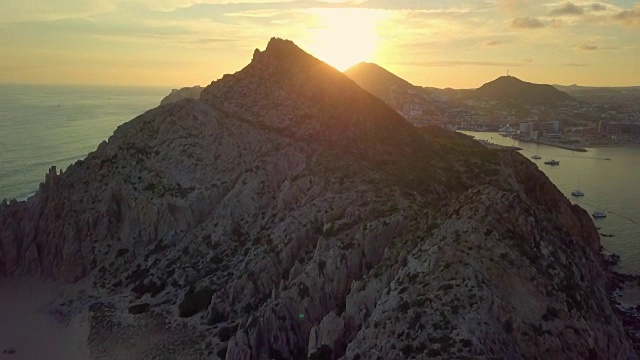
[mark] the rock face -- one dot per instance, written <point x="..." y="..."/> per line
<point x="289" y="214"/>
<point x="181" y="94"/>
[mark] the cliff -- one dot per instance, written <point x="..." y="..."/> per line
<point x="289" y="214"/>
<point x="181" y="94"/>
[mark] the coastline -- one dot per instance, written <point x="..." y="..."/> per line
<point x="595" y="146"/>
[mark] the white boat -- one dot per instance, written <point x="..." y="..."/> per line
<point x="599" y="214"/>
<point x="552" y="162"/>
<point x="536" y="156"/>
<point x="577" y="192"/>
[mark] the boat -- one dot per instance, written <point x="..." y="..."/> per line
<point x="552" y="162"/>
<point x="536" y="156"/>
<point x="599" y="214"/>
<point x="577" y="192"/>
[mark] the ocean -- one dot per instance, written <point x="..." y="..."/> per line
<point x="46" y="125"/>
<point x="609" y="185"/>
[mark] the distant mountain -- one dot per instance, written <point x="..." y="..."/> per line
<point x="377" y="80"/>
<point x="603" y="95"/>
<point x="417" y="104"/>
<point x="289" y="214"/>
<point x="511" y="90"/>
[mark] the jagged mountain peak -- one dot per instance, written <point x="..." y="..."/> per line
<point x="297" y="95"/>
<point x="281" y="50"/>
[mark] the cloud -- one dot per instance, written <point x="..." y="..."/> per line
<point x="453" y="63"/>
<point x="567" y="8"/>
<point x="514" y="6"/>
<point x="260" y="13"/>
<point x="34" y="10"/>
<point x="630" y="17"/>
<point x="575" y="65"/>
<point x="588" y="47"/>
<point x="592" y="47"/>
<point x="492" y="43"/>
<point x="527" y="23"/>
<point x="598" y="7"/>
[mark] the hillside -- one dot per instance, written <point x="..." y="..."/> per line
<point x="377" y="80"/>
<point x="603" y="95"/>
<point x="290" y="214"/>
<point x="417" y="104"/>
<point x="511" y="90"/>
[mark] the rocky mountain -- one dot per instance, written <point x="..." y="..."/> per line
<point x="377" y="80"/>
<point x="183" y="93"/>
<point x="289" y="214"/>
<point x="511" y="90"/>
<point x="419" y="105"/>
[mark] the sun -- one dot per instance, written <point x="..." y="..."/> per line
<point x="344" y="37"/>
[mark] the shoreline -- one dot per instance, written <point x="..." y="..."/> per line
<point x="595" y="146"/>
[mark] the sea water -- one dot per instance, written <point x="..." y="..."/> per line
<point x="44" y="126"/>
<point x="609" y="185"/>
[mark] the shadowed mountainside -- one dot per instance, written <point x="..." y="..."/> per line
<point x="289" y="214"/>
<point x="376" y="79"/>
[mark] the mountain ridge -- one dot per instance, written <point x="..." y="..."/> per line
<point x="290" y="214"/>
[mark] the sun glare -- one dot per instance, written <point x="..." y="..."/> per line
<point x="345" y="36"/>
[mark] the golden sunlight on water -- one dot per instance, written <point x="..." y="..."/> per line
<point x="345" y="36"/>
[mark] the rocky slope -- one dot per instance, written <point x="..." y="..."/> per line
<point x="183" y="93"/>
<point x="289" y="214"/>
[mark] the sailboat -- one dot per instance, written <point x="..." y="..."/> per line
<point x="536" y="156"/>
<point x="577" y="192"/>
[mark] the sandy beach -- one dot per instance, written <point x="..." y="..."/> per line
<point x="29" y="327"/>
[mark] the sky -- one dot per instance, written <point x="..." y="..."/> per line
<point x="454" y="43"/>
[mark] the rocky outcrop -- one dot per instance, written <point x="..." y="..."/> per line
<point x="289" y="214"/>
<point x="181" y="94"/>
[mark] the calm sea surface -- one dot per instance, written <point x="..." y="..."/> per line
<point x="609" y="185"/>
<point x="42" y="126"/>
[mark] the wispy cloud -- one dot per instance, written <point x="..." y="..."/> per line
<point x="527" y="23"/>
<point x="567" y="8"/>
<point x="588" y="47"/>
<point x="630" y="17"/>
<point x="514" y="6"/>
<point x="454" y="63"/>
<point x="597" y="7"/>
<point x="492" y="43"/>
